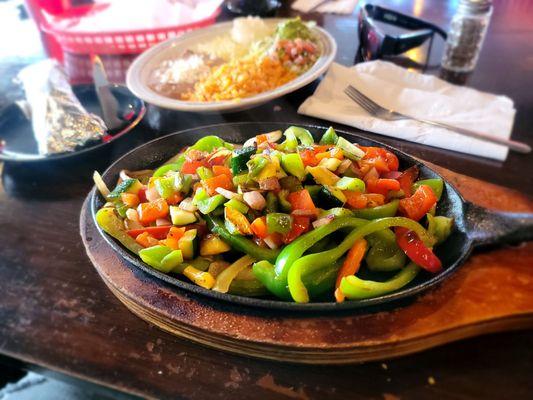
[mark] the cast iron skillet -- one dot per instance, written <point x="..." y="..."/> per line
<point x="474" y="226"/>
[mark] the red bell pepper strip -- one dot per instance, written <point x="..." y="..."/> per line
<point x="416" y="250"/>
<point x="158" y="232"/>
<point x="149" y="212"/>
<point x="418" y="205"/>
<point x="350" y="266"/>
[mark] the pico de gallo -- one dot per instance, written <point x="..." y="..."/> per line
<point x="281" y="216"/>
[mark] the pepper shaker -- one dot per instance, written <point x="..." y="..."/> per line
<point x="467" y="33"/>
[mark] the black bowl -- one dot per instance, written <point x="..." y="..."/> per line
<point x="473" y="225"/>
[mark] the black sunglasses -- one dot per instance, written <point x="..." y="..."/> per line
<point x="375" y="44"/>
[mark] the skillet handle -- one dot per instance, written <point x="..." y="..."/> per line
<point x="486" y="227"/>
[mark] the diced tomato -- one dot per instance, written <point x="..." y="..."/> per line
<point x="130" y="199"/>
<point x="175" y="233"/>
<point x="175" y="199"/>
<point x="149" y="212"/>
<point x="221" y="170"/>
<point x="416" y="206"/>
<point x="407" y="178"/>
<point x="359" y="200"/>
<point x="355" y="199"/>
<point x="302" y="200"/>
<point x="220" y="160"/>
<point x="157" y="232"/>
<point x="142" y="195"/>
<point x="190" y="167"/>
<point x="259" y="227"/>
<point x="146" y="240"/>
<point x="300" y="225"/>
<point x="321" y="148"/>
<point x="379" y="158"/>
<point x="416" y="250"/>
<point x="391" y="175"/>
<point x="219" y="181"/>
<point x="382" y="186"/>
<point x="309" y="158"/>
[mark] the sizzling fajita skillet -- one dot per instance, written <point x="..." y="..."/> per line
<point x="473" y="225"/>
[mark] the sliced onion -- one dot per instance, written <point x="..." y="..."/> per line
<point x="162" y="222"/>
<point x="187" y="205"/>
<point x="224" y="279"/>
<point x="343" y="166"/>
<point x="216" y="267"/>
<point x="124" y="175"/>
<point x="250" y="142"/>
<point x="274" y="136"/>
<point x="132" y="214"/>
<point x="228" y="194"/>
<point x="304" y="213"/>
<point x="270" y="242"/>
<point x="323" y="221"/>
<point x="100" y="184"/>
<point x="255" y="200"/>
<point x="152" y="194"/>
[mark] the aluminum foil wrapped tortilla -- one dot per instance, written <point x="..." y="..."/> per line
<point x="60" y="123"/>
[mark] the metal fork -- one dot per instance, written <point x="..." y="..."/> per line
<point x="376" y="110"/>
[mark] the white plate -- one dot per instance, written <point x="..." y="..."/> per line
<point x="140" y="70"/>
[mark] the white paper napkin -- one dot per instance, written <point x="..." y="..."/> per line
<point x="332" y="6"/>
<point x="418" y="95"/>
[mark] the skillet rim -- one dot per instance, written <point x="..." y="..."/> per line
<point x="279" y="305"/>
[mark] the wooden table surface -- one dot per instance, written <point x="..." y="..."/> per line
<point x="58" y="317"/>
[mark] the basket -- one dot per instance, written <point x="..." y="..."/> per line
<point x="131" y="42"/>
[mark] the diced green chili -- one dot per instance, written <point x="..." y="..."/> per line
<point x="292" y="163"/>
<point x="204" y="173"/>
<point x="347" y="183"/>
<point x="278" y="222"/>
<point x="237" y="205"/>
<point x="256" y="165"/>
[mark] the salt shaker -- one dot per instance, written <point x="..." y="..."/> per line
<point x="467" y="32"/>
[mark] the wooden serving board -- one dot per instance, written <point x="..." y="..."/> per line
<point x="492" y="291"/>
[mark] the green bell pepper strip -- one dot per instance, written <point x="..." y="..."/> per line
<point x="175" y="166"/>
<point x="293" y="134"/>
<point x="292" y="164"/>
<point x="336" y="212"/>
<point x="384" y="253"/>
<point x="329" y="137"/>
<point x="437" y="185"/>
<point x="240" y="243"/>
<point x="113" y="225"/>
<point x="316" y="261"/>
<point x="153" y="256"/>
<point x="347" y="183"/>
<point x="172" y="260"/>
<point x="440" y="227"/>
<point x="355" y="288"/>
<point x="317" y="282"/>
<point x="248" y="288"/>
<point x="275" y="279"/>
<point x="208" y="205"/>
<point x="208" y="143"/>
<point x="278" y="222"/>
<point x="386" y="210"/>
<point x="182" y="183"/>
